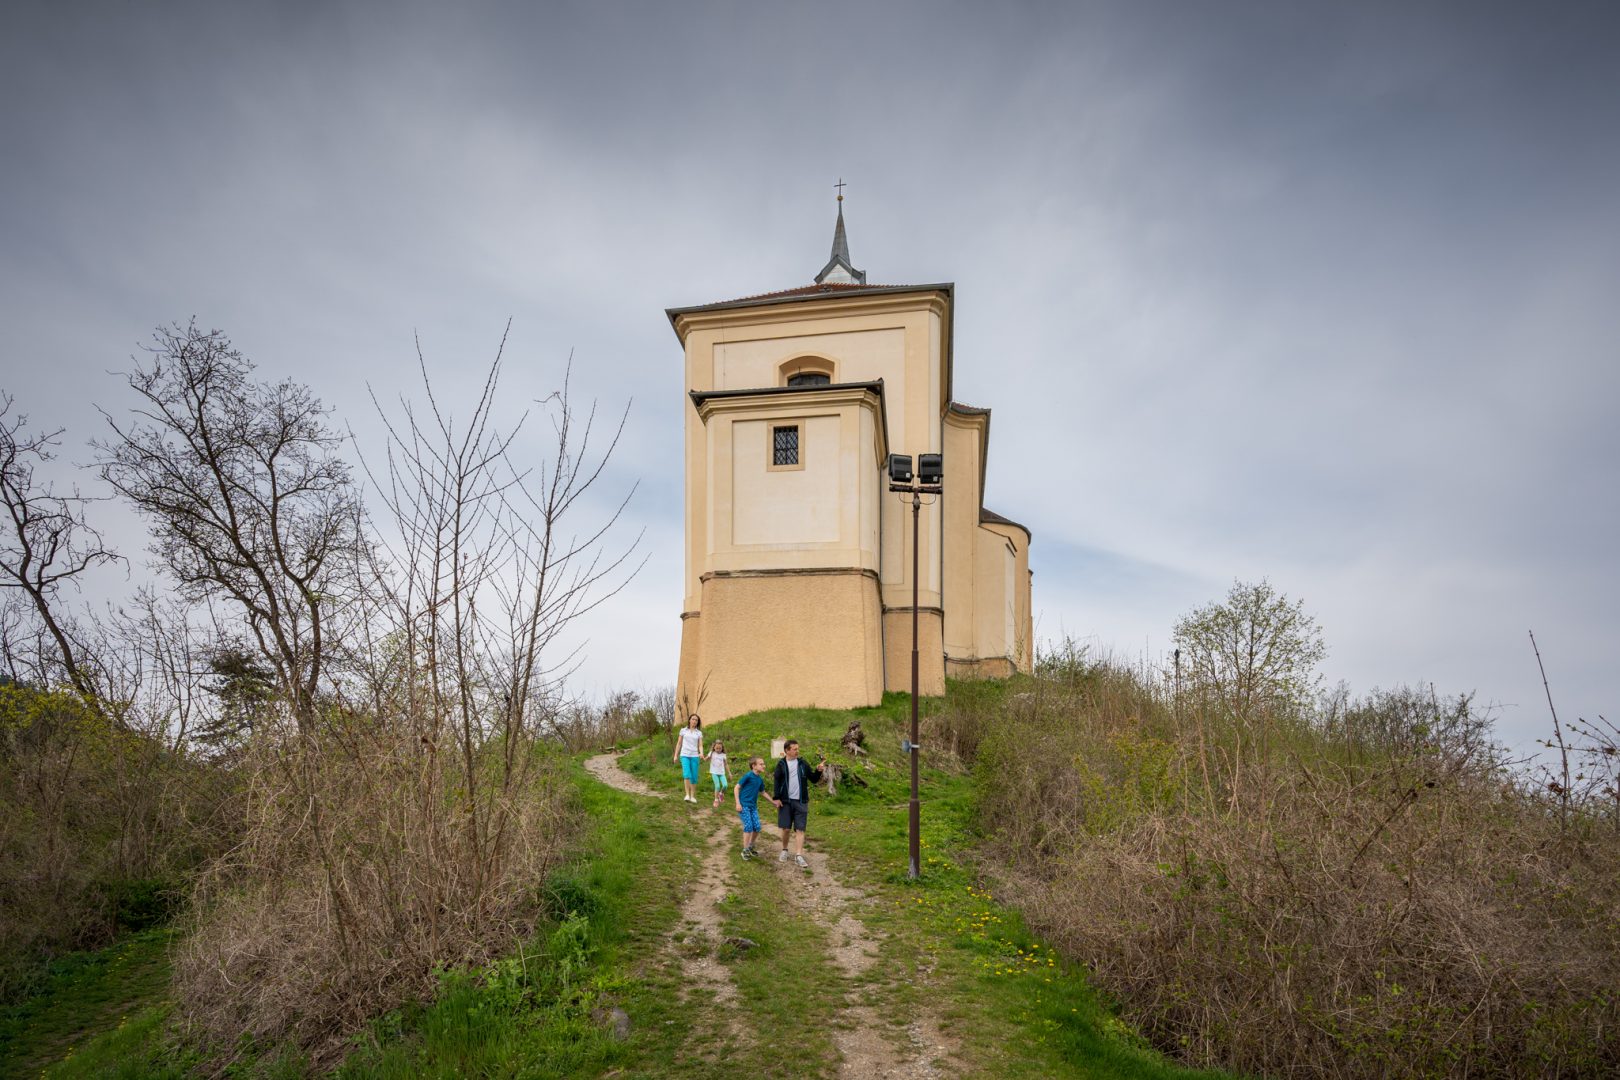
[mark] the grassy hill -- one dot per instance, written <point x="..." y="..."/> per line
<point x="712" y="961"/>
<point x="1362" y="891"/>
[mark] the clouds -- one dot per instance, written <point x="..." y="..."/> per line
<point x="1315" y="292"/>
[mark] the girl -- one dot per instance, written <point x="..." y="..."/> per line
<point x="689" y="752"/>
<point x="717" y="770"/>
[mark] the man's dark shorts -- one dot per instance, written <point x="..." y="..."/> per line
<point x="793" y="815"/>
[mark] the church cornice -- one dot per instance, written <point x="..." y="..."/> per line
<point x="938" y="299"/>
<point x="835" y="390"/>
<point x="784" y="399"/>
<point x="855" y="300"/>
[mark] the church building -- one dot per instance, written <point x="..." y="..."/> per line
<point x="798" y="585"/>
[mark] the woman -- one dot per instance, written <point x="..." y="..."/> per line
<point x="689" y="753"/>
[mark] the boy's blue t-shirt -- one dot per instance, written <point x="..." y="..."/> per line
<point x="749" y="787"/>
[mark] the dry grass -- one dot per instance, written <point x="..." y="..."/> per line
<point x="1364" y="891"/>
<point x="361" y="876"/>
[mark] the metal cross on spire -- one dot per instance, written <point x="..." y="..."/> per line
<point x="839" y="269"/>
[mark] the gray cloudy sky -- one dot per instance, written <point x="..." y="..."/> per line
<point x="1325" y="293"/>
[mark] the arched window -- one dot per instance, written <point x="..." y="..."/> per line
<point x="807" y="371"/>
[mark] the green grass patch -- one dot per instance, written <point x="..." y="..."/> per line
<point x="98" y="1014"/>
<point x="541" y="1012"/>
<point x="785" y="984"/>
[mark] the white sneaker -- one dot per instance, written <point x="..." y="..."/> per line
<point x="800" y="860"/>
<point x="782" y="857"/>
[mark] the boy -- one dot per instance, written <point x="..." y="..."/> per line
<point x="747" y="798"/>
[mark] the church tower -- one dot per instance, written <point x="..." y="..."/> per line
<point x="798" y="584"/>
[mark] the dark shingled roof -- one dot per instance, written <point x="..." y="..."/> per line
<point x="811" y="290"/>
<point x="990" y="517"/>
<point x="808" y="292"/>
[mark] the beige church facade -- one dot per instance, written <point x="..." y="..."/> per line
<point x="798" y="582"/>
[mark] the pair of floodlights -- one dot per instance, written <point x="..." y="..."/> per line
<point x="930" y="470"/>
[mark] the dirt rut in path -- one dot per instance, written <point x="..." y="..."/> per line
<point x="699" y="917"/>
<point x="868" y="1045"/>
<point x="693" y="954"/>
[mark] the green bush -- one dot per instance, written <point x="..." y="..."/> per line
<point x="98" y="826"/>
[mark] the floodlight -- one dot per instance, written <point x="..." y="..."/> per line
<point x="931" y="469"/>
<point x="900" y="468"/>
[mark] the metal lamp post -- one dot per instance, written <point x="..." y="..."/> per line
<point x="929" y="480"/>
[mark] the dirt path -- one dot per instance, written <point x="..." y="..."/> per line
<point x="605" y="767"/>
<point x="693" y="937"/>
<point x="868" y="1046"/>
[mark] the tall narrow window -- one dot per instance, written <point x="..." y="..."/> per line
<point x="785" y="445"/>
<point x="809" y="378"/>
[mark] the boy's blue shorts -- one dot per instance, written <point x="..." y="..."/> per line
<point x="750" y="818"/>
<point x="689" y="768"/>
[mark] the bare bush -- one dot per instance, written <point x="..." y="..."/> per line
<point x="307" y="933"/>
<point x="1594" y="747"/>
<point x="1373" y="893"/>
<point x="626" y="716"/>
<point x="101" y="823"/>
<point x="407" y="824"/>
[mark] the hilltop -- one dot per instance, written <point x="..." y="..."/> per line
<point x="659" y="918"/>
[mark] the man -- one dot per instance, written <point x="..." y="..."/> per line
<point x="790" y="791"/>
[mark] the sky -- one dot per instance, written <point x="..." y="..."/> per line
<point x="1327" y="294"/>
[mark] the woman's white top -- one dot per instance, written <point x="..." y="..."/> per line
<point x="717" y="764"/>
<point x="691" y="742"/>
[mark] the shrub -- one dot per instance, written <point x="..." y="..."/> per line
<point x="1364" y="891"/>
<point x="626" y="716"/>
<point x="361" y="877"/>
<point x="99" y="824"/>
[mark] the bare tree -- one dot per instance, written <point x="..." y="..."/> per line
<point x="407" y="832"/>
<point x="484" y="572"/>
<point x="246" y="495"/>
<point x="46" y="543"/>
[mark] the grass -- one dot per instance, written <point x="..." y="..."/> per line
<point x="535" y="1015"/>
<point x="99" y="1014"/>
<point x="948" y="946"/>
<point x="1011" y="1005"/>
<point x="608" y="940"/>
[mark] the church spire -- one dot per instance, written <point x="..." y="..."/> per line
<point x="839" y="269"/>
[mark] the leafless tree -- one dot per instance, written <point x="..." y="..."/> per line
<point x="46" y="544"/>
<point x="407" y="832"/>
<point x="246" y="495"/>
<point x="483" y="572"/>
